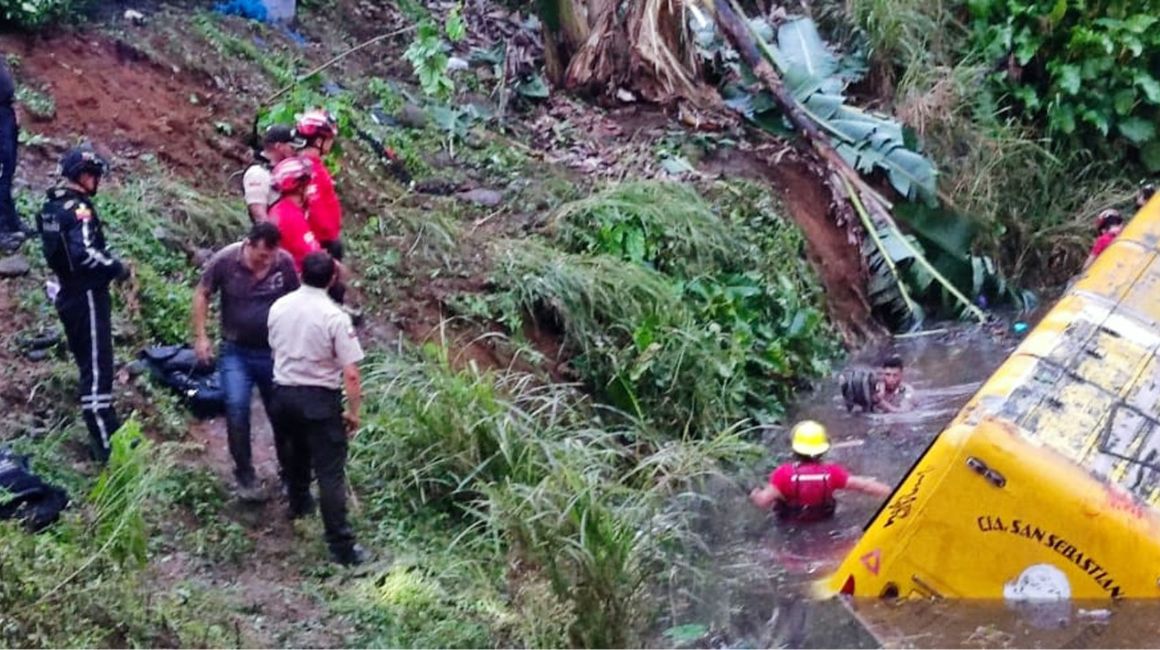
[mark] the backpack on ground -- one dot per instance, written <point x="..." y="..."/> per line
<point x="177" y="367"/>
<point x="25" y="496"/>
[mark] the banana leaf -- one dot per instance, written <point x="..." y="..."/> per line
<point x="866" y="140"/>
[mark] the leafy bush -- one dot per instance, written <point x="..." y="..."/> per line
<point x="500" y="472"/>
<point x="38" y="13"/>
<point x="1086" y="70"/>
<point x="668" y="227"/>
<point x="80" y="583"/>
<point x="673" y="313"/>
<point x="428" y="53"/>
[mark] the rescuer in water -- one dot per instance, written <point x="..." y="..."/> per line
<point x="803" y="490"/>
<point x="1109" y="225"/>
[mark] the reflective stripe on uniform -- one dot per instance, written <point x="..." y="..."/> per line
<point x="94" y="391"/>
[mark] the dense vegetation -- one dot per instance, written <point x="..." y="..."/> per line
<point x="548" y="504"/>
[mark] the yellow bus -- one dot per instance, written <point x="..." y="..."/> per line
<point x="1046" y="484"/>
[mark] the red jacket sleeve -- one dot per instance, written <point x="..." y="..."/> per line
<point x="325" y="211"/>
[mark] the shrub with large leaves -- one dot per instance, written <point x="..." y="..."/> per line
<point x="1085" y="69"/>
<point x="817" y="79"/>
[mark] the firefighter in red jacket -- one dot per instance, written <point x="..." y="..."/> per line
<point x="319" y="129"/>
<point x="290" y="178"/>
<point x="803" y="490"/>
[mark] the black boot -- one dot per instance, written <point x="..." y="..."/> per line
<point x="352" y="555"/>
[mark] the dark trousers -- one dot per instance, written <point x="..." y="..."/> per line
<point x="242" y="368"/>
<point x="310" y="435"/>
<point x="87" y="319"/>
<point x="9" y="221"/>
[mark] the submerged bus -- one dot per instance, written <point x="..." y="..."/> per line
<point x="1045" y="486"/>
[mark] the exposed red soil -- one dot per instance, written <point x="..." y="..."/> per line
<point x="107" y="92"/>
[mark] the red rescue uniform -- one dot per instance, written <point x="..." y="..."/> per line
<point x="807" y="489"/>
<point x="322" y="204"/>
<point x="1102" y="242"/>
<point x="297" y="239"/>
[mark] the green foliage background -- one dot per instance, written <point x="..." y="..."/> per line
<point x="1087" y="71"/>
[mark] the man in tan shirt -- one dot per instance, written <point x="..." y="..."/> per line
<point x="316" y="354"/>
<point x="279" y="143"/>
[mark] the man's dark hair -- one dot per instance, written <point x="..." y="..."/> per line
<point x="318" y="269"/>
<point x="892" y="361"/>
<point x="266" y="233"/>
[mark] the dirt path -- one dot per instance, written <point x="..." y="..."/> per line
<point x="267" y="584"/>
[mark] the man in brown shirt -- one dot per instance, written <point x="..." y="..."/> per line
<point x="250" y="276"/>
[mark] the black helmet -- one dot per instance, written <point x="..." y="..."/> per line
<point x="79" y="160"/>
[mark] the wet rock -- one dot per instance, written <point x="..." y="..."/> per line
<point x="412" y="116"/>
<point x="14" y="266"/>
<point x="442" y="160"/>
<point x="436" y="186"/>
<point x="481" y="196"/>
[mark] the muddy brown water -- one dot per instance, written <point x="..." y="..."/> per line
<point x="753" y="590"/>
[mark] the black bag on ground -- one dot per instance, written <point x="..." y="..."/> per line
<point x="25" y="496"/>
<point x="177" y="367"/>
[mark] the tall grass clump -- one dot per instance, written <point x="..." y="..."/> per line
<point x="507" y="486"/>
<point x="426" y="452"/>
<point x="121" y="492"/>
<point x="709" y="316"/>
<point x="158" y="225"/>
<point x="81" y="582"/>
<point x="665" y="225"/>
<point x="629" y="334"/>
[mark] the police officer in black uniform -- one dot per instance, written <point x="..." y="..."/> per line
<point x="74" y="246"/>
<point x="12" y="231"/>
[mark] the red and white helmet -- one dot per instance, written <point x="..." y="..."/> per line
<point x="1109" y="217"/>
<point x="318" y="123"/>
<point x="292" y="174"/>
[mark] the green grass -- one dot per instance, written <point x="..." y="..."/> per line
<point x="486" y="483"/>
<point x="666" y="225"/>
<point x="686" y="314"/>
<point x="79" y="583"/>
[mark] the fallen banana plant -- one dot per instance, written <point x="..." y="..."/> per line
<point x="846" y="139"/>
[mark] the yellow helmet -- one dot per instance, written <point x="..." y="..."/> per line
<point x="809" y="438"/>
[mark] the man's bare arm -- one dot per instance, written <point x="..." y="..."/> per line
<point x="868" y="485"/>
<point x="764" y="497"/>
<point x="201" y="344"/>
<point x="352" y="379"/>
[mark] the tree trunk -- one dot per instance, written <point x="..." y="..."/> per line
<point x="565" y="31"/>
<point x="639" y="45"/>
